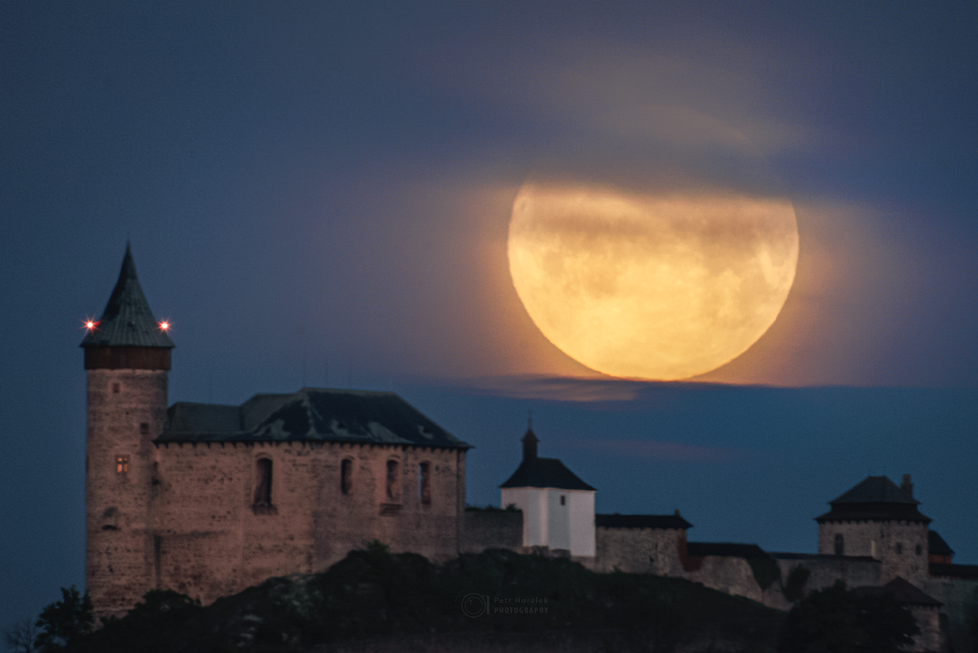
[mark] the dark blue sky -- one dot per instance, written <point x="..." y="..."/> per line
<point x="319" y="194"/>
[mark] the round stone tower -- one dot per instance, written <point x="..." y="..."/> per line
<point x="127" y="359"/>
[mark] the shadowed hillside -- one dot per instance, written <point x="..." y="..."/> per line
<point x="494" y="601"/>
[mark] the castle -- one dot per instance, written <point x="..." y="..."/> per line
<point x="210" y="499"/>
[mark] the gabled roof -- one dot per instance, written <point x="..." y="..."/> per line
<point x="904" y="592"/>
<point x="876" y="498"/>
<point x="641" y="521"/>
<point x="127" y="320"/>
<point x="724" y="549"/>
<point x="309" y="415"/>
<point x="937" y="546"/>
<point x="545" y="473"/>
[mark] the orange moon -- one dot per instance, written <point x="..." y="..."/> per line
<point x="652" y="283"/>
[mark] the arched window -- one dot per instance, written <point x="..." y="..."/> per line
<point x="346" y="476"/>
<point x="393" y="484"/>
<point x="840" y="545"/>
<point x="263" y="485"/>
<point x="424" y="483"/>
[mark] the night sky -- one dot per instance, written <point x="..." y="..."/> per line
<point x="319" y="194"/>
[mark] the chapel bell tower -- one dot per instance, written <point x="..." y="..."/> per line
<point x="127" y="358"/>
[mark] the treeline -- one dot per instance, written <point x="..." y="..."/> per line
<point x="375" y="594"/>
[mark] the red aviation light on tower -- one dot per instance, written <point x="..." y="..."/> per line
<point x="90" y="324"/>
<point x="165" y="326"/>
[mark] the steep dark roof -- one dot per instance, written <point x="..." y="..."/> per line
<point x="875" y="489"/>
<point x="724" y="549"/>
<point x="904" y="592"/>
<point x="875" y="498"/>
<point x="953" y="571"/>
<point x="545" y="472"/>
<point x="310" y="415"/>
<point x="937" y="546"/>
<point x="127" y="320"/>
<point x="641" y="521"/>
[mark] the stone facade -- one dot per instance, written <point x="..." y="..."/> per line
<point x="640" y="550"/>
<point x="900" y="546"/>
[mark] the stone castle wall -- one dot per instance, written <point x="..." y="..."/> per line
<point x="639" y="550"/>
<point x="127" y="408"/>
<point x="492" y="529"/>
<point x="204" y="535"/>
<point x="900" y="546"/>
<point x="960" y="598"/>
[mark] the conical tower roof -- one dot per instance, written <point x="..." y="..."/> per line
<point x="127" y="320"/>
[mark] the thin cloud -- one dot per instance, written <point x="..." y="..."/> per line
<point x="673" y="451"/>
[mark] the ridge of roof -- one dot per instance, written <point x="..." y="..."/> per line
<point x="641" y="521"/>
<point x="309" y="415"/>
<point x="724" y="549"/>
<point x="127" y="320"/>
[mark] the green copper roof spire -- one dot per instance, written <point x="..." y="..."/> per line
<point x="127" y="320"/>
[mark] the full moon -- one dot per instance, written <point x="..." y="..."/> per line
<point x="664" y="282"/>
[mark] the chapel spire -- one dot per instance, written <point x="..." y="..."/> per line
<point x="530" y="442"/>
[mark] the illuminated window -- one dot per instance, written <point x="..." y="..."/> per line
<point x="840" y="545"/>
<point x="263" y="486"/>
<point x="346" y="476"/>
<point x="393" y="486"/>
<point x="424" y="483"/>
<point x="122" y="464"/>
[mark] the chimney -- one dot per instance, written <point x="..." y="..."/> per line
<point x="907" y="486"/>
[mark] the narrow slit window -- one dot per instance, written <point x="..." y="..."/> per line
<point x="346" y="476"/>
<point x="840" y="545"/>
<point x="393" y="487"/>
<point x="144" y="428"/>
<point x="563" y="500"/>
<point x="122" y="464"/>
<point x="115" y="388"/>
<point x="424" y="483"/>
<point x="263" y="487"/>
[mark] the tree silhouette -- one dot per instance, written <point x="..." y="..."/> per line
<point x="841" y="620"/>
<point x="64" y="622"/>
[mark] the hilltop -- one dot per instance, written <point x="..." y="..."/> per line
<point x="493" y="601"/>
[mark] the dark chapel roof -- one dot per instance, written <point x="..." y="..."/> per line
<point x="875" y="498"/>
<point x="309" y="415"/>
<point x="545" y="473"/>
<point x="127" y="320"/>
<point x="542" y="472"/>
